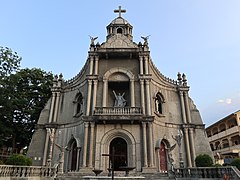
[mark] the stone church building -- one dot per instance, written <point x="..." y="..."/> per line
<point x="119" y="104"/>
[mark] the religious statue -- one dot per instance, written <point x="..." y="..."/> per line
<point x="119" y="100"/>
<point x="61" y="156"/>
<point x="145" y="40"/>
<point x="178" y="139"/>
<point x="93" y="39"/>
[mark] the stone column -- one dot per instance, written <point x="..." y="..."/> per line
<point x="132" y="93"/>
<point x="183" y="107"/>
<point x="78" y="158"/>
<point x="91" y="65"/>
<point x="89" y="97"/>
<point x="96" y="65"/>
<point x="187" y="107"/>
<point x="142" y="95"/>
<point x="150" y="144"/>
<point x="86" y="124"/>
<point x="92" y="125"/>
<point x="145" y="162"/>
<point x="141" y="64"/>
<point x="146" y="64"/>
<point x="191" y="138"/>
<point x="56" y="107"/>
<point x="105" y="87"/>
<point x="186" y="138"/>
<point x="52" y="107"/>
<point x="95" y="83"/>
<point x="193" y="154"/>
<point x="45" y="148"/>
<point x="148" y="97"/>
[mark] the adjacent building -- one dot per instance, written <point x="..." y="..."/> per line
<point x="224" y="138"/>
<point x="119" y="104"/>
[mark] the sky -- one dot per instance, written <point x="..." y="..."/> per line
<point x="200" y="38"/>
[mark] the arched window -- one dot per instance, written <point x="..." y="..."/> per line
<point x="119" y="30"/>
<point x="78" y="104"/>
<point x="159" y="100"/>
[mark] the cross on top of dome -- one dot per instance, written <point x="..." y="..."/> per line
<point x="119" y="11"/>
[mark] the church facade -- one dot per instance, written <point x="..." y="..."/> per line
<point x="119" y="106"/>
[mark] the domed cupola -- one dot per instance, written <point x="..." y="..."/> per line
<point x="119" y="26"/>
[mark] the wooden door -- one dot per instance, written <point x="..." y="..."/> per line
<point x="163" y="158"/>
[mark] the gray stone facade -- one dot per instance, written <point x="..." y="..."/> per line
<point x="80" y="122"/>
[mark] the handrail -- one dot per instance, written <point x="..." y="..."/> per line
<point x="27" y="171"/>
<point x="118" y="111"/>
<point x="208" y="172"/>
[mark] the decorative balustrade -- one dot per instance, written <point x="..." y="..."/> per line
<point x="208" y="172"/>
<point x="27" y="171"/>
<point x="118" y="111"/>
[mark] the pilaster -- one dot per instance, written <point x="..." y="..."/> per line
<point x="146" y="65"/>
<point x="86" y="124"/>
<point x="95" y="83"/>
<point x="105" y="87"/>
<point x="145" y="163"/>
<point x="132" y="93"/>
<point x="89" y="97"/>
<point x="92" y="125"/>
<point x="188" y="153"/>
<point x="150" y="144"/>
<point x="193" y="154"/>
<point x="142" y="95"/>
<point x="147" y="86"/>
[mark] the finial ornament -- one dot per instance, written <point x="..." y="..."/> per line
<point x="119" y="11"/>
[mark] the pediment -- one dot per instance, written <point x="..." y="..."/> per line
<point x="119" y="41"/>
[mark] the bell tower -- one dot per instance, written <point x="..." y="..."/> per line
<point x="119" y="25"/>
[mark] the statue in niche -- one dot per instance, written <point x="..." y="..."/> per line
<point x="119" y="100"/>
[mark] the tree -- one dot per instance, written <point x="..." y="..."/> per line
<point x="27" y="93"/>
<point x="9" y="64"/>
<point x="236" y="162"/>
<point x="19" y="159"/>
<point x="203" y="160"/>
<point x="23" y="94"/>
<point x="9" y="61"/>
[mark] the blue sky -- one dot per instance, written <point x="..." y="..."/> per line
<point x="198" y="37"/>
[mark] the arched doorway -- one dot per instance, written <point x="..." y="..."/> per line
<point x="119" y="146"/>
<point x="163" y="158"/>
<point x="73" y="156"/>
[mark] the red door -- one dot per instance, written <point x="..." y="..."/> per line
<point x="163" y="158"/>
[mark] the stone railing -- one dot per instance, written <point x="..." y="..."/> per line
<point x="26" y="171"/>
<point x="225" y="133"/>
<point x="208" y="172"/>
<point x="118" y="111"/>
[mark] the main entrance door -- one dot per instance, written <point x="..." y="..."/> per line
<point x="119" y="145"/>
<point x="163" y="158"/>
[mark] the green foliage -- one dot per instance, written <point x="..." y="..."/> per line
<point x="203" y="160"/>
<point x="1" y="162"/>
<point x="18" y="159"/>
<point x="217" y="165"/>
<point x="236" y="162"/>
<point x="23" y="94"/>
<point x="9" y="61"/>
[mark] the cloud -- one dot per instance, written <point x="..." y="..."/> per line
<point x="229" y="101"/>
<point x="226" y="101"/>
<point x="220" y="101"/>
